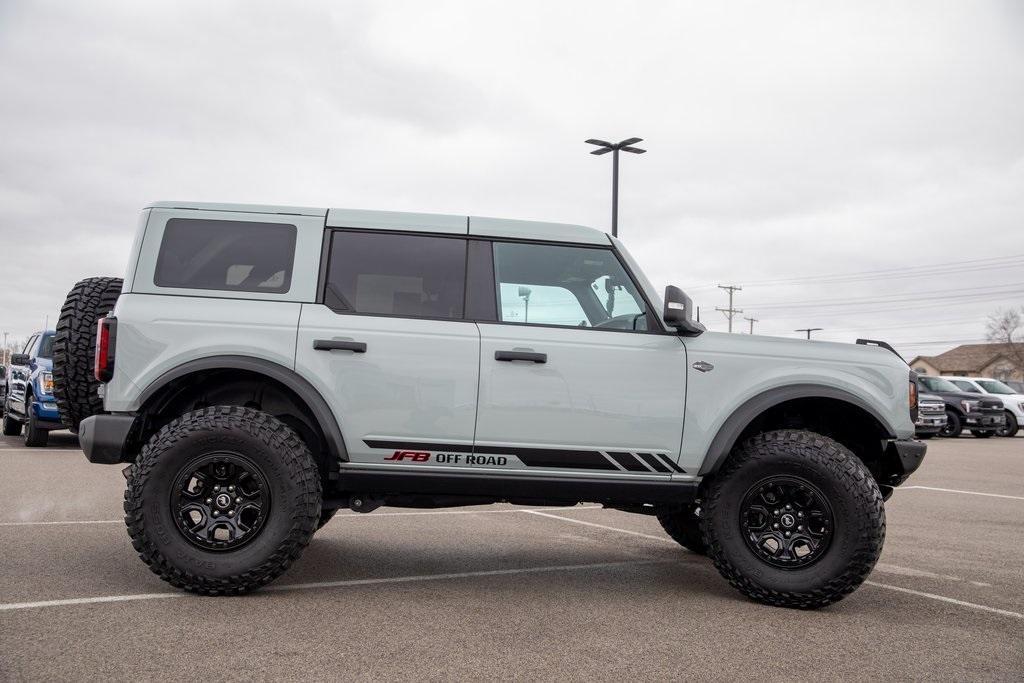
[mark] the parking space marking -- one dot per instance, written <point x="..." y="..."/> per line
<point x="11" y="606"/>
<point x="354" y="515"/>
<point x="73" y="521"/>
<point x="920" y="573"/>
<point x="660" y="539"/>
<point x="972" y="493"/>
<point x="943" y="598"/>
<point x="932" y="596"/>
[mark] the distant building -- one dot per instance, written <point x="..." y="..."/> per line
<point x="1000" y="361"/>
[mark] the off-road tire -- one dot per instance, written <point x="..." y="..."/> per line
<point x="74" y="347"/>
<point x="34" y="436"/>
<point x="294" y="505"/>
<point x="325" y="516"/>
<point x="858" y="519"/>
<point x="11" y="427"/>
<point x="1009" y="427"/>
<point x="684" y="528"/>
<point x="983" y="433"/>
<point x="954" y="426"/>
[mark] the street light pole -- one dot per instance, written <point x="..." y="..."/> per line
<point x="603" y="147"/>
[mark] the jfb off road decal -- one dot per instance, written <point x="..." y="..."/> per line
<point x="628" y="462"/>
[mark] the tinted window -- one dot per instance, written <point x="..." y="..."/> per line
<point x="964" y="385"/>
<point x="542" y="284"/>
<point x="46" y="347"/>
<point x="226" y="255"/>
<point x="405" y="275"/>
<point x="938" y="384"/>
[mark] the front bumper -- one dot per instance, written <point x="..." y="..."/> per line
<point x="906" y="455"/>
<point x="45" y="411"/>
<point x="104" y="438"/>
<point x="976" y="420"/>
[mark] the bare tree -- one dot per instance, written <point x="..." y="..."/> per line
<point x="1007" y="327"/>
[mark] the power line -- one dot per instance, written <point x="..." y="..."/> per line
<point x="891" y="299"/>
<point x="730" y="312"/>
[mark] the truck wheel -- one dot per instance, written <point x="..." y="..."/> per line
<point x="794" y="519"/>
<point x="1009" y="427"/>
<point x="953" y="426"/>
<point x="684" y="528"/>
<point x="982" y="434"/>
<point x="11" y="426"/>
<point x="74" y="346"/>
<point x="34" y="436"/>
<point x="222" y="500"/>
<point x="325" y="516"/>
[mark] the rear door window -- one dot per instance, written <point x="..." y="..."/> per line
<point x="238" y="256"/>
<point x="414" y="276"/>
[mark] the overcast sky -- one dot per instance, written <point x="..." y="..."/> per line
<point x="786" y="140"/>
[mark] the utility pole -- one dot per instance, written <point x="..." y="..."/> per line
<point x="604" y="147"/>
<point x="808" y="330"/>
<point x="730" y="312"/>
<point x="752" y="321"/>
<point x="5" y="349"/>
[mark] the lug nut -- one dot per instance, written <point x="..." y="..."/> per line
<point x="231" y="488"/>
<point x="238" y="500"/>
<point x="800" y="528"/>
<point x="799" y="514"/>
<point x="231" y="513"/>
<point x="775" y="526"/>
<point x="209" y="500"/>
<point x="789" y="507"/>
<point x="216" y="488"/>
<point x="787" y="534"/>
<point x="776" y="513"/>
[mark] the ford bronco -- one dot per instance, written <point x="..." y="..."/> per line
<point x="261" y="367"/>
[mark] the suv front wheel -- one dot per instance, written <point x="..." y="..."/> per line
<point x="794" y="519"/>
<point x="222" y="500"/>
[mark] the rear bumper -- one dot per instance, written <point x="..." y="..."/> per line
<point x="907" y="455"/>
<point x="103" y="438"/>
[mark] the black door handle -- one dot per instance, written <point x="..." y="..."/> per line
<point x="521" y="355"/>
<point x="336" y="345"/>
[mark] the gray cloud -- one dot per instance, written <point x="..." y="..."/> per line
<point x="785" y="140"/>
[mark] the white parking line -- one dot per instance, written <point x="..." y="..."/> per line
<point x="972" y="493"/>
<point x="951" y="601"/>
<point x="6" y="607"/>
<point x="353" y="515"/>
<point x="932" y="596"/>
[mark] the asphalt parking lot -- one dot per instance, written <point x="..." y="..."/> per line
<point x="509" y="593"/>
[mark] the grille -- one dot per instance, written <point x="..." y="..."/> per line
<point x="932" y="408"/>
<point x="991" y="405"/>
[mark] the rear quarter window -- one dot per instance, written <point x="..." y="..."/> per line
<point x="237" y="256"/>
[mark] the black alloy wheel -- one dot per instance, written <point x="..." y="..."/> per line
<point x="786" y="521"/>
<point x="953" y="426"/>
<point x="220" y="501"/>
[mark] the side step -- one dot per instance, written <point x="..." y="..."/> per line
<point x="502" y="488"/>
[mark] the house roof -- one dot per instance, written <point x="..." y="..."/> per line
<point x="968" y="357"/>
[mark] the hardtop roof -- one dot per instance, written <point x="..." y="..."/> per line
<point x="410" y="221"/>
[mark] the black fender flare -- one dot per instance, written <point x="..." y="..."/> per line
<point x="734" y="425"/>
<point x="322" y="412"/>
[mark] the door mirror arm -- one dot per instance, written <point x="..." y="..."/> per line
<point x="678" y="313"/>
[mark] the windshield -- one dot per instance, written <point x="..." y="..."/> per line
<point x="994" y="386"/>
<point x="46" y="347"/>
<point x="938" y="384"/>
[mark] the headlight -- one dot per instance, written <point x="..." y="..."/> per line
<point x="46" y="383"/>
<point x="970" y="406"/>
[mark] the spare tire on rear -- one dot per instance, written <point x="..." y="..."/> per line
<point x="74" y="346"/>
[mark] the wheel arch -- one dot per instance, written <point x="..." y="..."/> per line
<point x="809" y="406"/>
<point x="175" y="384"/>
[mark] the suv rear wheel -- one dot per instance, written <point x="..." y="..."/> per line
<point x="222" y="500"/>
<point x="794" y="519"/>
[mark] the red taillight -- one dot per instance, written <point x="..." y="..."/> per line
<point x="105" y="335"/>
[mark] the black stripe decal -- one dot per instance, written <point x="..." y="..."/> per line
<point x="552" y="457"/>
<point x="628" y="461"/>
<point x="670" y="462"/>
<point x="542" y="457"/>
<point x="654" y="462"/>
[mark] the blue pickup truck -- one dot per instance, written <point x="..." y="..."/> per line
<point x="29" y="403"/>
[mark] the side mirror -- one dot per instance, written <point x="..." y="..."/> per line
<point x="679" y="313"/>
<point x="19" y="359"/>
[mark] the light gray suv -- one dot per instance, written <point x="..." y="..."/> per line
<point x="261" y="367"/>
